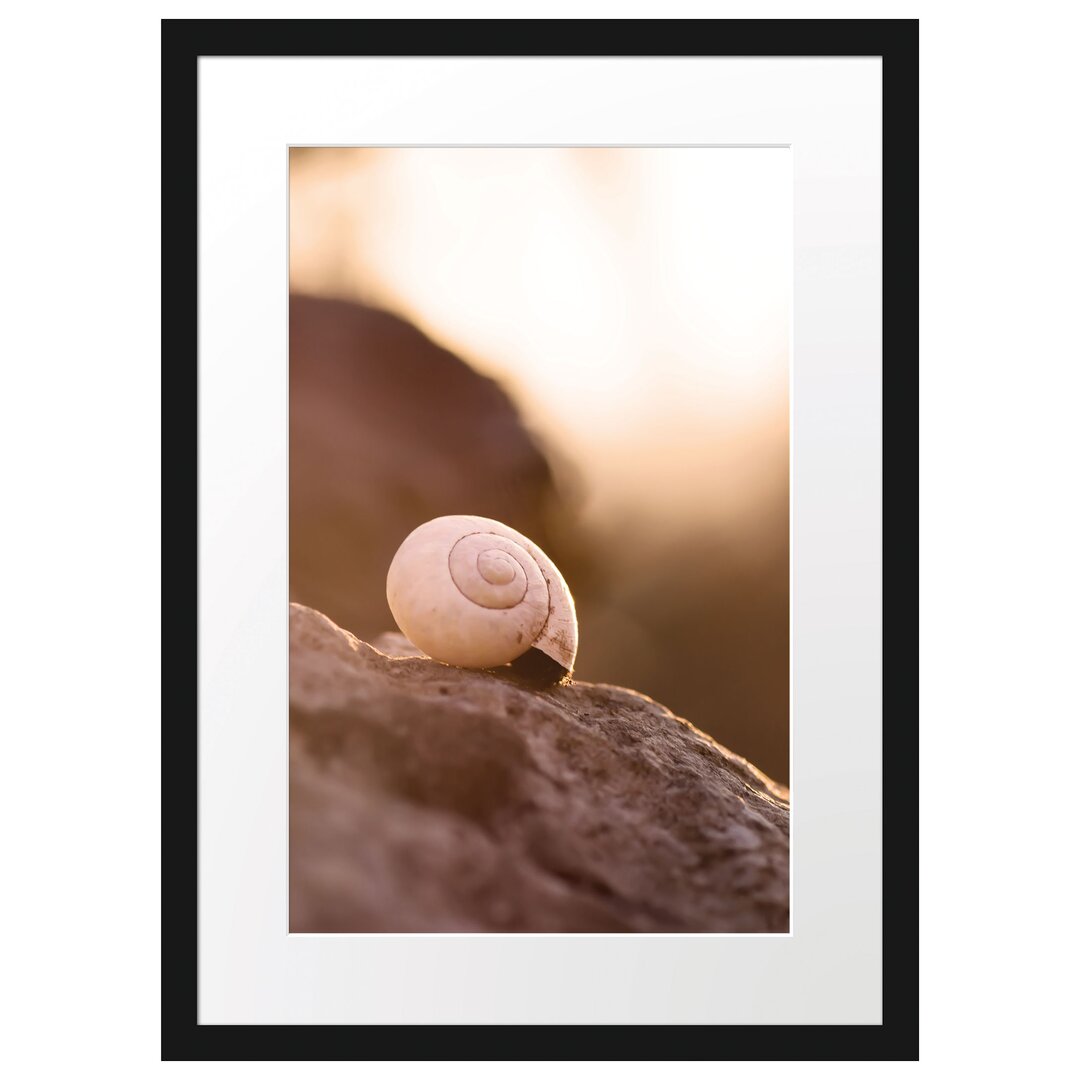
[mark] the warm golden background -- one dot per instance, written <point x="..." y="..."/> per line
<point x="588" y="344"/>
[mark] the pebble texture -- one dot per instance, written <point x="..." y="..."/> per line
<point x="426" y="798"/>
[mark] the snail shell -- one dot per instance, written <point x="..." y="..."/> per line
<point x="475" y="593"/>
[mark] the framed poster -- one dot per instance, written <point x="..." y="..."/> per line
<point x="550" y="512"/>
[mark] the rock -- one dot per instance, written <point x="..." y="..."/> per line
<point x="426" y="798"/>
<point x="393" y="643"/>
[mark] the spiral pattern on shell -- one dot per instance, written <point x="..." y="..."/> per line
<point x="475" y="593"/>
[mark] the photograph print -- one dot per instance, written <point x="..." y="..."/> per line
<point x="539" y="585"/>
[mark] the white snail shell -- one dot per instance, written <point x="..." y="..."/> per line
<point x="472" y="592"/>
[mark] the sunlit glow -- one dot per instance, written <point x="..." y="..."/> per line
<point x="635" y="302"/>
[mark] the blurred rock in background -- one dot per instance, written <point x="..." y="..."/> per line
<point x="387" y="430"/>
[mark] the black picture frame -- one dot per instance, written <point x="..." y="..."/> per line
<point x="183" y="42"/>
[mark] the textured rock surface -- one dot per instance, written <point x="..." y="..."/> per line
<point x="428" y="798"/>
